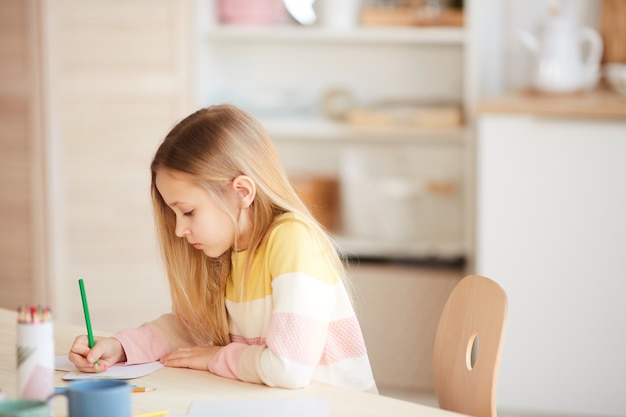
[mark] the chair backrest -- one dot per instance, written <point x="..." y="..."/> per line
<point x="468" y="347"/>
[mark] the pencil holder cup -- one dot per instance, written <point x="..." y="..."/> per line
<point x="35" y="360"/>
<point x="97" y="398"/>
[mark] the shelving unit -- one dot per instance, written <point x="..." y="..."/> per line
<point x="324" y="130"/>
<point x="281" y="74"/>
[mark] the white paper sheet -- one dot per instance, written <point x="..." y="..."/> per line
<point x="301" y="407"/>
<point x="62" y="363"/>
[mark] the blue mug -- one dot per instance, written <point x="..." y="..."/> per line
<point x="97" y="398"/>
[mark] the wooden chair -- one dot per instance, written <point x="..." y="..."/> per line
<point x="468" y="346"/>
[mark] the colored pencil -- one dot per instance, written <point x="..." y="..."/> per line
<point x="33" y="314"/>
<point x="142" y="389"/>
<point x="83" y="296"/>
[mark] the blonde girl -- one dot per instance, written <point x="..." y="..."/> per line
<point x="256" y="283"/>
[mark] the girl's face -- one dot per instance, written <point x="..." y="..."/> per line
<point x="205" y="225"/>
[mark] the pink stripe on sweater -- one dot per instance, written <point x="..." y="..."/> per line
<point x="345" y="340"/>
<point x="252" y="341"/>
<point x="313" y="342"/>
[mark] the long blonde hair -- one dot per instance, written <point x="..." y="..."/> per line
<point x="215" y="145"/>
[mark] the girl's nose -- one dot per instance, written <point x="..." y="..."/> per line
<point x="181" y="228"/>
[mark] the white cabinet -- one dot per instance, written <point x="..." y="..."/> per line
<point x="551" y="230"/>
<point x="403" y="188"/>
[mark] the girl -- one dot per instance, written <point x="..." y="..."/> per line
<point x="256" y="283"/>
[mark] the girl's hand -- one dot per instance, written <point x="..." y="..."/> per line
<point x="193" y="357"/>
<point x="107" y="351"/>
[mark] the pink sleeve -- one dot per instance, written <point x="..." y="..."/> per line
<point x="141" y="345"/>
<point x="226" y="362"/>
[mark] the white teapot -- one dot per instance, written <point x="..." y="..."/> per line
<point x="559" y="64"/>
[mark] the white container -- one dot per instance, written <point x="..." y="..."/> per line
<point x="358" y="202"/>
<point x="397" y="209"/>
<point x="616" y="76"/>
<point x="377" y="203"/>
<point x="338" y="14"/>
<point x="35" y="360"/>
<point x="561" y="64"/>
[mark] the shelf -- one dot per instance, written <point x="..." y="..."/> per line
<point x="292" y="33"/>
<point x="300" y="129"/>
<point x="376" y="248"/>
<point x="600" y="103"/>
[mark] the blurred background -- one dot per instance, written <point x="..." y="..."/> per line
<point x="431" y="138"/>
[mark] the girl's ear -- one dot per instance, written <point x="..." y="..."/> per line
<point x="246" y="190"/>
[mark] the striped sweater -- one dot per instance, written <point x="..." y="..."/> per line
<point x="290" y="322"/>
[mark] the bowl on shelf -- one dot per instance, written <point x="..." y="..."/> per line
<point x="252" y="12"/>
<point x="615" y="74"/>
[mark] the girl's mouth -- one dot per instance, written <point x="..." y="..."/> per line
<point x="197" y="245"/>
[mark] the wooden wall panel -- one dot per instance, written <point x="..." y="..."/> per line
<point x="16" y="276"/>
<point x="96" y="84"/>
<point x="20" y="237"/>
<point x="122" y="82"/>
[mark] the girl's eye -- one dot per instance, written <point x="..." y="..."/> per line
<point x="188" y="213"/>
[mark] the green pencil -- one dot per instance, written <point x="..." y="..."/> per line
<point x="83" y="296"/>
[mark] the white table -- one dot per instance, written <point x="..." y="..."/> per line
<point x="175" y="389"/>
